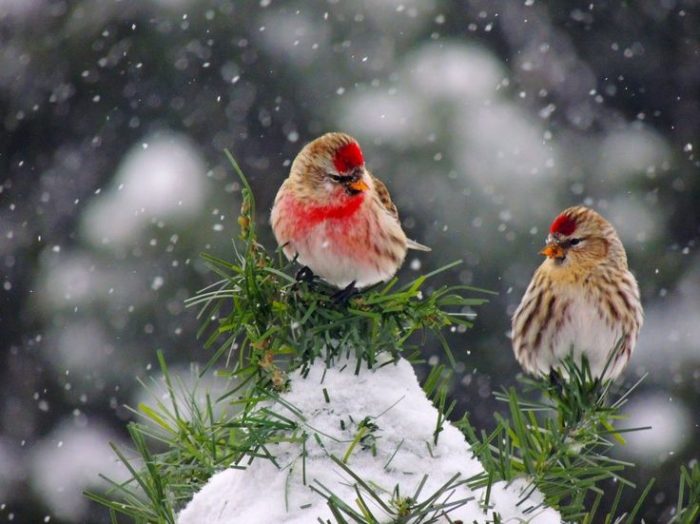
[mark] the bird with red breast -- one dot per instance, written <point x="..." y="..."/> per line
<point x="336" y="218"/>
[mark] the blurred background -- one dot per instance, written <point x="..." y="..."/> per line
<point x="485" y="118"/>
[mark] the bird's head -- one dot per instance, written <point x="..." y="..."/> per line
<point x="331" y="166"/>
<point x="581" y="238"/>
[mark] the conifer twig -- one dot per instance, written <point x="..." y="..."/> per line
<point x="259" y="324"/>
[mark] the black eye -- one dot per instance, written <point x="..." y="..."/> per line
<point x="575" y="241"/>
<point x="339" y="178"/>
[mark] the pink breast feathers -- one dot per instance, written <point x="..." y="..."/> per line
<point x="308" y="216"/>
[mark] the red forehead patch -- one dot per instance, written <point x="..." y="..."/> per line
<point x="563" y="224"/>
<point x="348" y="157"/>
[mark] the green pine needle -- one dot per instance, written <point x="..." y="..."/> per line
<point x="259" y="325"/>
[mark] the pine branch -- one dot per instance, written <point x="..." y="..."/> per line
<point x="399" y="510"/>
<point x="270" y="324"/>
<point x="560" y="441"/>
<point x="260" y="324"/>
<point x="687" y="510"/>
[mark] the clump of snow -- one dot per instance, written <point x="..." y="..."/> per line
<point x="79" y="278"/>
<point x="501" y="144"/>
<point x="454" y="71"/>
<point x="296" y="38"/>
<point x="671" y="328"/>
<point x="393" y="117"/>
<point x="400" y="453"/>
<point x="636" y="221"/>
<point x="70" y="279"/>
<point x="83" y="347"/>
<point x="161" y="178"/>
<point x="63" y="464"/>
<point x="399" y="19"/>
<point x="626" y="153"/>
<point x="670" y="428"/>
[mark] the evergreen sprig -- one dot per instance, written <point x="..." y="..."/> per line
<point x="414" y="509"/>
<point x="687" y="510"/>
<point x="560" y="440"/>
<point x="260" y="323"/>
<point x="269" y="323"/>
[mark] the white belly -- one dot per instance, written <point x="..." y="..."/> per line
<point x="339" y="260"/>
<point x="319" y="253"/>
<point x="583" y="332"/>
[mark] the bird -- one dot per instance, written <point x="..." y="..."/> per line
<point x="582" y="299"/>
<point x="336" y="219"/>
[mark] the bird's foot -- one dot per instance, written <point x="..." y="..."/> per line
<point x="305" y="275"/>
<point x="305" y="280"/>
<point x="342" y="297"/>
<point x="556" y="380"/>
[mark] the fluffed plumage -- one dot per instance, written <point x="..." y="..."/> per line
<point x="582" y="298"/>
<point x="336" y="218"/>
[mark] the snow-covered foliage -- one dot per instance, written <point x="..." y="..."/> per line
<point x="484" y="118"/>
<point x="387" y="408"/>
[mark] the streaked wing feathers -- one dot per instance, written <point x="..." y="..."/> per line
<point x="385" y="197"/>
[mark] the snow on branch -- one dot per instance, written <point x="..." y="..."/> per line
<point x="323" y="419"/>
<point x="391" y="473"/>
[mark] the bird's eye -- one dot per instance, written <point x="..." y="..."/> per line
<point x="575" y="241"/>
<point x="338" y="178"/>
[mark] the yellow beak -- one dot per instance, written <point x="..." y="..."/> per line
<point x="553" y="251"/>
<point x="358" y="185"/>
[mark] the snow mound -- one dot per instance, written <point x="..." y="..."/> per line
<point x="399" y="451"/>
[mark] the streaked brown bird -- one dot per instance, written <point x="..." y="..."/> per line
<point x="582" y="298"/>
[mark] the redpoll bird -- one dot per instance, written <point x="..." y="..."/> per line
<point x="581" y="299"/>
<point x="336" y="218"/>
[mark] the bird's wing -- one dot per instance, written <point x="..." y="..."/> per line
<point x="385" y="197"/>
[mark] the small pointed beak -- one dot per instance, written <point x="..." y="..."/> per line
<point x="358" y="185"/>
<point x="553" y="251"/>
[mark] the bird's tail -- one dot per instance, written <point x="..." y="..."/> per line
<point x="412" y="244"/>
